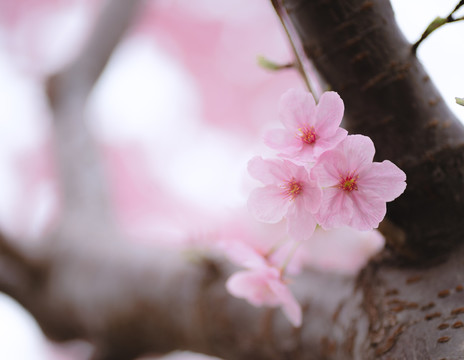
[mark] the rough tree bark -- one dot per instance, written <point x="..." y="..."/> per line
<point x="412" y="294"/>
<point x="87" y="282"/>
<point x="358" y="48"/>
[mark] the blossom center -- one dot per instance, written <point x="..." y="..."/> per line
<point x="348" y="183"/>
<point x="292" y="188"/>
<point x="307" y="135"/>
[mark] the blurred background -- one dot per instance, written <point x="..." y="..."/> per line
<point x="178" y="112"/>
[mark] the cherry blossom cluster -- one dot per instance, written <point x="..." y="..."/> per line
<point x="321" y="176"/>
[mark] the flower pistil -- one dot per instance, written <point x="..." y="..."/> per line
<point x="292" y="188"/>
<point x="307" y="135"/>
<point x="348" y="183"/>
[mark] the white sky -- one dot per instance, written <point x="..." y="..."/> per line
<point x="442" y="52"/>
<point x="20" y="339"/>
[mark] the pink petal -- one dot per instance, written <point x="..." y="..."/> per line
<point x="305" y="155"/>
<point x="329" y="167"/>
<point x="324" y="144"/>
<point x="290" y="307"/>
<point x="283" y="140"/>
<point x="268" y="204"/>
<point x="300" y="223"/>
<point x="384" y="179"/>
<point x="295" y="171"/>
<point x="267" y="171"/>
<point x="369" y="210"/>
<point x="253" y="285"/>
<point x="329" y="113"/>
<point x="292" y="311"/>
<point x="264" y="287"/>
<point x="359" y="151"/>
<point x="243" y="254"/>
<point x="297" y="109"/>
<point x="280" y="256"/>
<point x="342" y="250"/>
<point x="336" y="209"/>
<point x="312" y="196"/>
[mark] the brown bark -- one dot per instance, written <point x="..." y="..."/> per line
<point x="413" y="293"/>
<point x="358" y="48"/>
<point x="87" y="282"/>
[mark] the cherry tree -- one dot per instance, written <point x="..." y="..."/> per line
<point x="87" y="278"/>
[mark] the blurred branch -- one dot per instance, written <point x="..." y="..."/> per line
<point x="129" y="302"/>
<point x="18" y="269"/>
<point x="78" y="78"/>
<point x="436" y="23"/>
<point x="83" y="185"/>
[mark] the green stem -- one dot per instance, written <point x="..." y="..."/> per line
<point x="271" y="65"/>
<point x="289" y="257"/>
<point x="437" y="23"/>
<point x="298" y="62"/>
<point x="276" y="247"/>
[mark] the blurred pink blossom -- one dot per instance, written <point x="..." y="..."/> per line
<point x="219" y="46"/>
<point x="249" y="243"/>
<point x="44" y="35"/>
<point x="343" y="250"/>
<point x="265" y="286"/>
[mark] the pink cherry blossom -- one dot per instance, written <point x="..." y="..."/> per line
<point x="264" y="286"/>
<point x="288" y="192"/>
<point x="355" y="189"/>
<point x="309" y="129"/>
<point x="249" y="243"/>
<point x="343" y="250"/>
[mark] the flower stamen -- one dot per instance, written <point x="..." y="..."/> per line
<point x="348" y="183"/>
<point x="291" y="189"/>
<point x="307" y="135"/>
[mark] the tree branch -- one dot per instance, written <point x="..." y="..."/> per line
<point x="83" y="185"/>
<point x="128" y="302"/>
<point x="437" y="23"/>
<point x="19" y="267"/>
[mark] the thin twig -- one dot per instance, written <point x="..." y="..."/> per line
<point x="19" y="265"/>
<point x="461" y="3"/>
<point x="298" y="57"/>
<point x="437" y="23"/>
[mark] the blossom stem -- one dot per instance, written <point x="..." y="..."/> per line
<point x="289" y="257"/>
<point x="297" y="54"/>
<point x="436" y="23"/>
<point x="276" y="247"/>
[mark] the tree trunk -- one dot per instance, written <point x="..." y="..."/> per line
<point x="412" y="294"/>
<point x="359" y="50"/>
